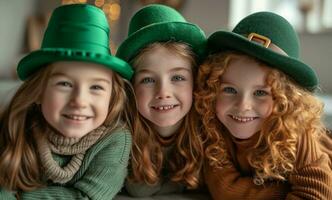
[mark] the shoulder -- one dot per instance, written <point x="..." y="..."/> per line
<point x="325" y="141"/>
<point x="119" y="136"/>
<point x="116" y="146"/>
<point x="309" y="150"/>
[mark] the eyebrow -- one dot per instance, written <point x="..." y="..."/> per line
<point x="56" y="74"/>
<point x="255" y="86"/>
<point x="180" y="69"/>
<point x="263" y="87"/>
<point x="172" y="70"/>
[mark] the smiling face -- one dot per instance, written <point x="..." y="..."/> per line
<point x="244" y="100"/>
<point x="77" y="97"/>
<point x="163" y="84"/>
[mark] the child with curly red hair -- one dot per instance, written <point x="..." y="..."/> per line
<point x="262" y="122"/>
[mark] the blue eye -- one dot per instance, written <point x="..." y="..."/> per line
<point x="147" y="80"/>
<point x="64" y="84"/>
<point x="229" y="90"/>
<point x="178" y="78"/>
<point x="260" y="93"/>
<point x="97" y="87"/>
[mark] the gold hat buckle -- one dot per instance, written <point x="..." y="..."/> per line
<point x="265" y="41"/>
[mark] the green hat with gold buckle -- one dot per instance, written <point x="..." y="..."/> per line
<point x="270" y="38"/>
<point x="76" y="32"/>
<point x="159" y="23"/>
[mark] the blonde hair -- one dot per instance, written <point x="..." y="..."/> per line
<point x="295" y="112"/>
<point x="147" y="157"/>
<point x="19" y="162"/>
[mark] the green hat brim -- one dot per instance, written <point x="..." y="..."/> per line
<point x="184" y="32"/>
<point x="300" y="72"/>
<point x="35" y="60"/>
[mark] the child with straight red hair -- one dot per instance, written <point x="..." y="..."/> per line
<point x="167" y="151"/>
<point x="65" y="134"/>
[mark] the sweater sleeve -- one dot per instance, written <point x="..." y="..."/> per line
<point x="102" y="179"/>
<point x="312" y="178"/>
<point x="6" y="195"/>
<point x="227" y="183"/>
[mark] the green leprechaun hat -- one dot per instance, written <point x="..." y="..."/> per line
<point x="270" y="38"/>
<point x="76" y="32"/>
<point x="159" y="23"/>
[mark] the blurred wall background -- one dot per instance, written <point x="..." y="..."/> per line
<point x="21" y="28"/>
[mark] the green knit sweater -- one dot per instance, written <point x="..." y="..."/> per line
<point x="100" y="176"/>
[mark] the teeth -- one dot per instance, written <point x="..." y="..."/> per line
<point x="164" y="107"/>
<point x="77" y="117"/>
<point x="243" y="119"/>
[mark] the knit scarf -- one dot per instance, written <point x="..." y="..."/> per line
<point x="53" y="142"/>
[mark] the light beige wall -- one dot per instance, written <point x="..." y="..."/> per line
<point x="317" y="52"/>
<point x="208" y="14"/>
<point x="12" y="27"/>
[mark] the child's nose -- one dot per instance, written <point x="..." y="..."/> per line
<point x="244" y="103"/>
<point x="163" y="91"/>
<point x="78" y="99"/>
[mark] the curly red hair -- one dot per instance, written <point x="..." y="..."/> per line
<point x="295" y="112"/>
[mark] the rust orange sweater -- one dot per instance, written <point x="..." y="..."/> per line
<point x="311" y="178"/>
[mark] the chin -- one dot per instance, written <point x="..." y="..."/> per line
<point x="164" y="122"/>
<point x="164" y="125"/>
<point x="242" y="136"/>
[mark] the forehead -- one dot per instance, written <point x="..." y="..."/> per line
<point x="80" y="70"/>
<point x="245" y="71"/>
<point x="162" y="60"/>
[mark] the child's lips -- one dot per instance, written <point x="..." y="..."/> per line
<point x="76" y="117"/>
<point x="164" y="107"/>
<point x="242" y="119"/>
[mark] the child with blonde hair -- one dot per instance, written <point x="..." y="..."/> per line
<point x="167" y="150"/>
<point x="64" y="134"/>
<point x="262" y="122"/>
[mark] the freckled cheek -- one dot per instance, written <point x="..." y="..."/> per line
<point x="186" y="89"/>
<point x="104" y="112"/>
<point x="102" y="102"/>
<point x="225" y="101"/>
<point x="220" y="106"/>
<point x="52" y="108"/>
<point x="221" y="109"/>
<point x="188" y="99"/>
<point x="143" y="99"/>
<point x="138" y="90"/>
<point x="266" y="108"/>
<point x="53" y="100"/>
<point x="143" y="96"/>
<point x="185" y="94"/>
